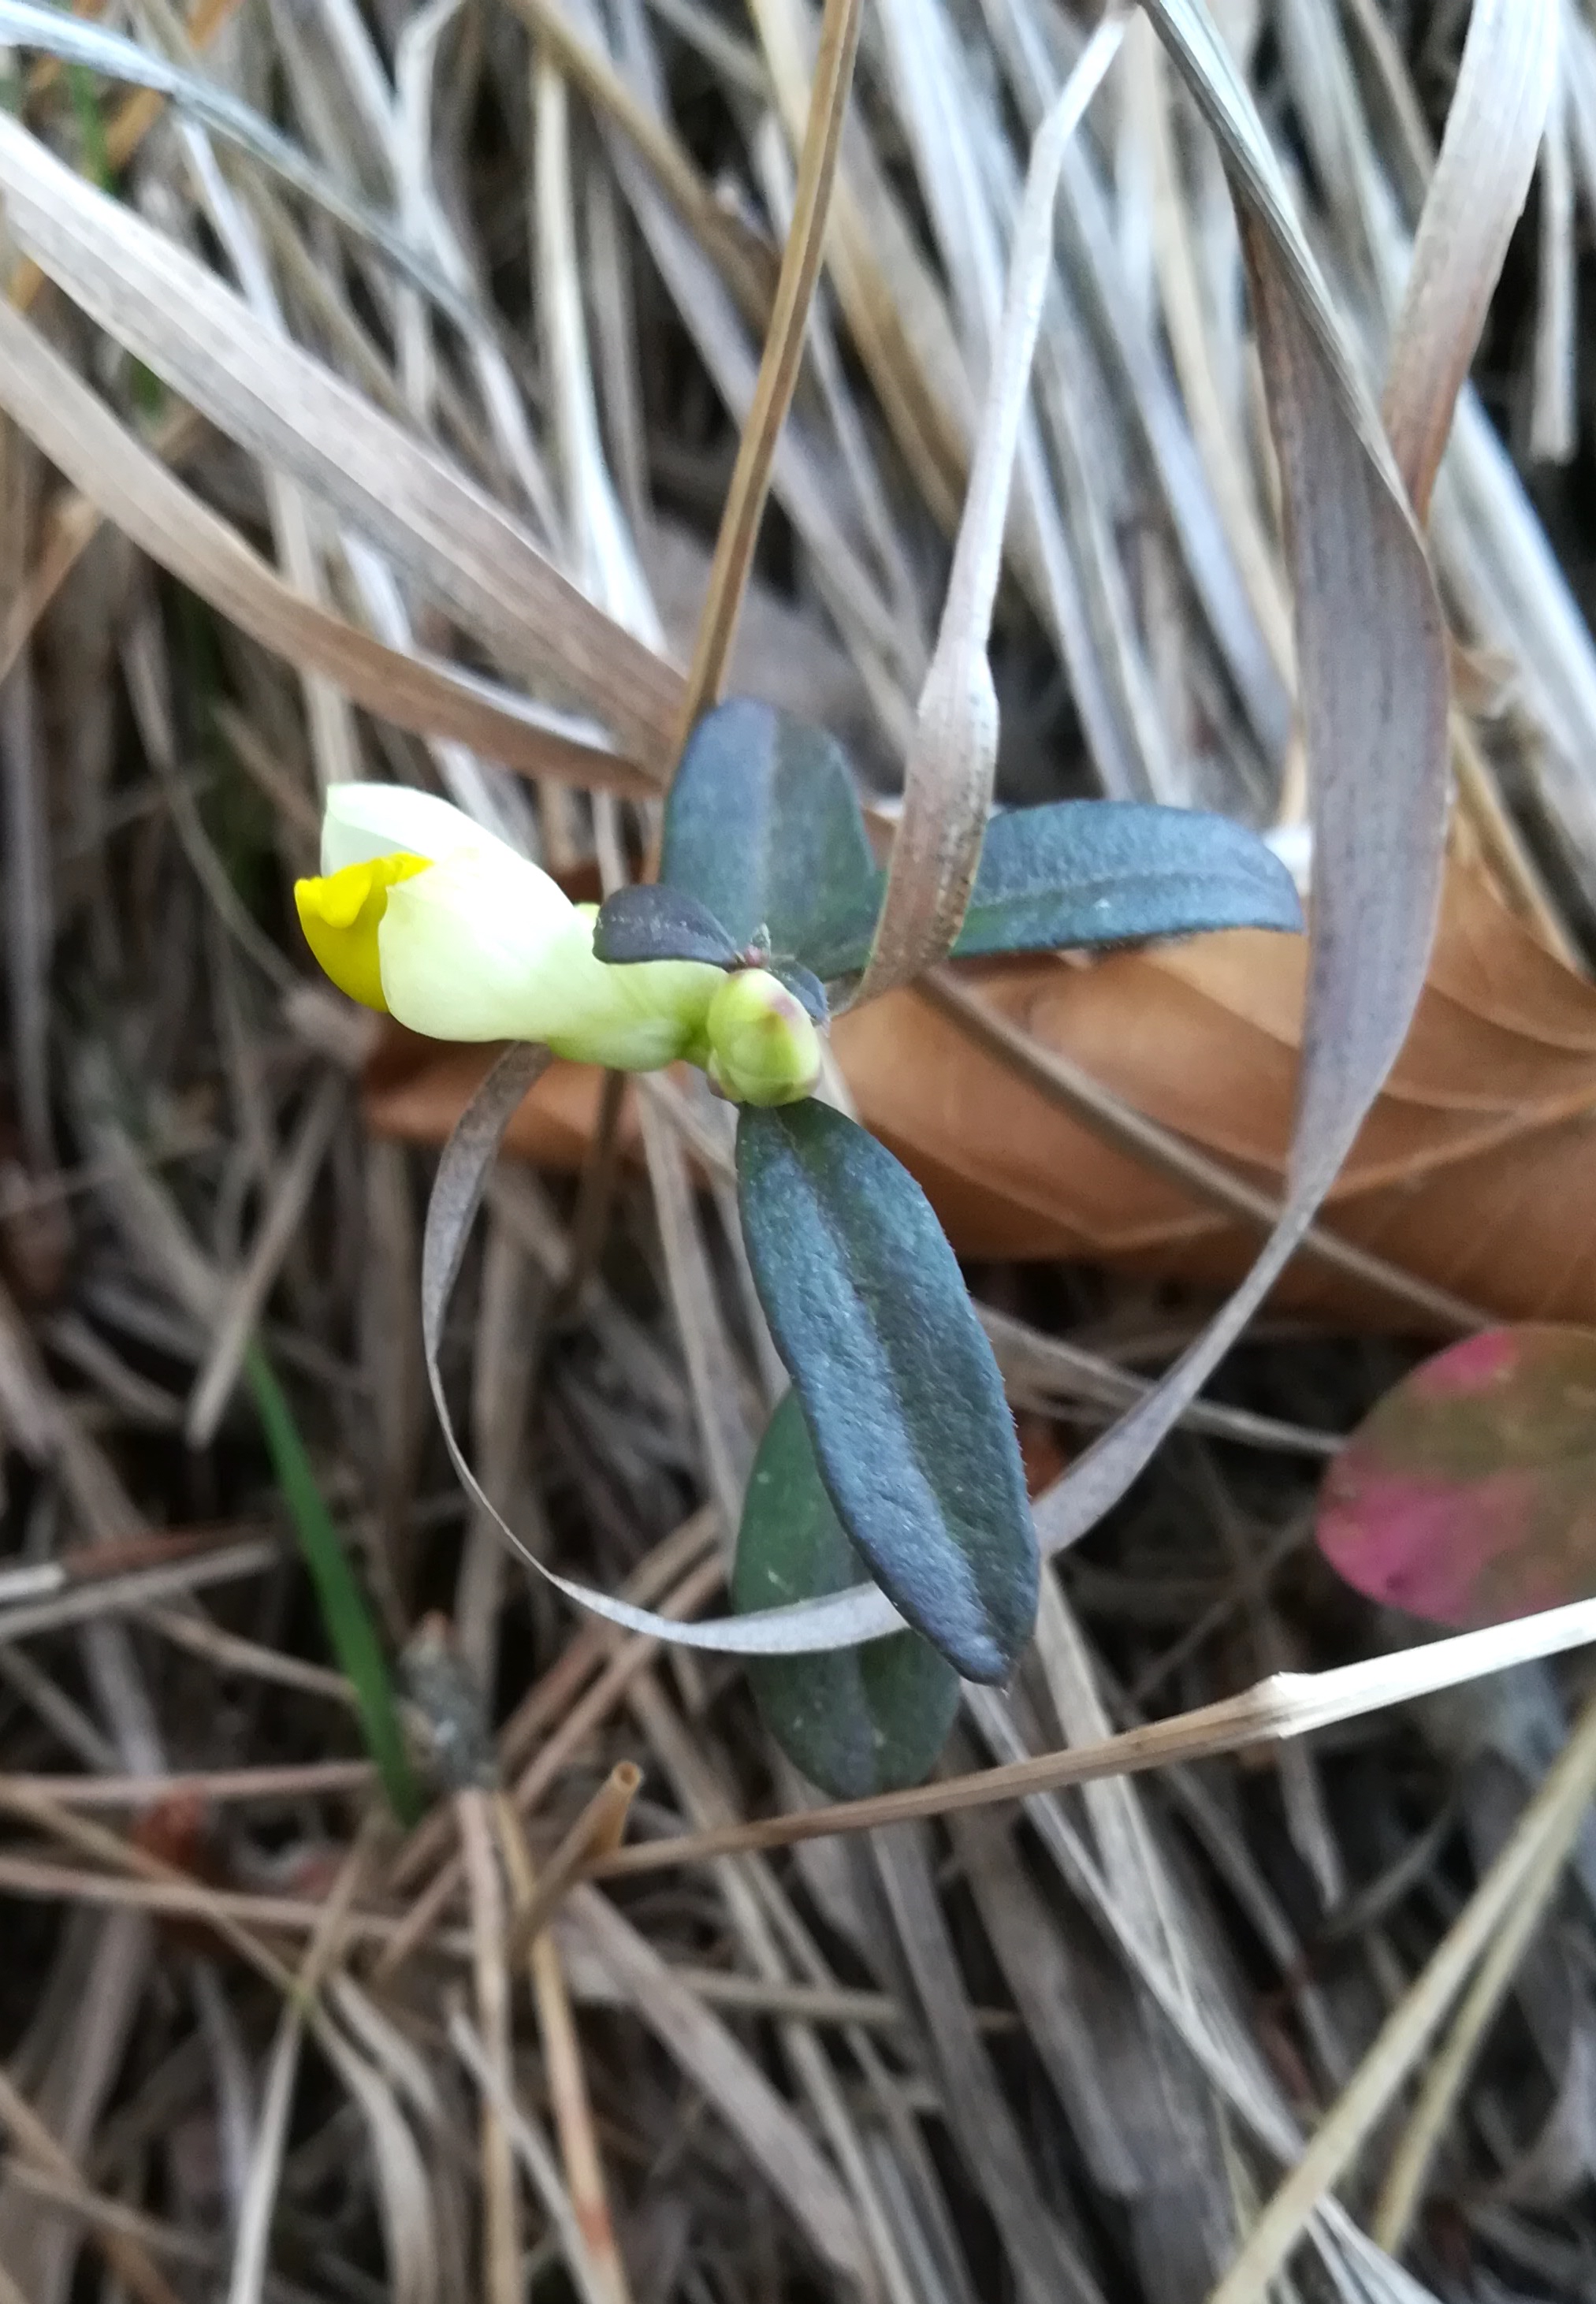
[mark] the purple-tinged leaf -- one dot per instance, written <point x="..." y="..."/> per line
<point x="1469" y="1496"/>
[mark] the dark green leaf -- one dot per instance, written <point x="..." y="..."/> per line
<point x="805" y="987"/>
<point x="764" y="826"/>
<point x="1094" y="872"/>
<point x="656" y="923"/>
<point x="860" y="1720"/>
<point x="896" y="1380"/>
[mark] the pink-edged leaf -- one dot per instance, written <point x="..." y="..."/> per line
<point x="1468" y="1496"/>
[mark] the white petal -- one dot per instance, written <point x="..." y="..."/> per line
<point x="364" y="821"/>
<point x="475" y="949"/>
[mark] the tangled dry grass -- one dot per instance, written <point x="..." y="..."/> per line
<point x="372" y="410"/>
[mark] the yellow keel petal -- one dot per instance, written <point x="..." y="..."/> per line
<point x="341" y="915"/>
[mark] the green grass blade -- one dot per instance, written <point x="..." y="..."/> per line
<point x="91" y="127"/>
<point x="343" y="1608"/>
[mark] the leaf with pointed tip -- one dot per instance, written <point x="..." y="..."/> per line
<point x="655" y="923"/>
<point x="859" y="1721"/>
<point x="1085" y="872"/>
<point x="1468" y="1496"/>
<point x="897" y="1381"/>
<point x="763" y="826"/>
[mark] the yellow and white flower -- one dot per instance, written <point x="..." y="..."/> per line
<point x="421" y="914"/>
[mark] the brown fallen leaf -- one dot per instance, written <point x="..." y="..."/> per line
<point x="1473" y="1171"/>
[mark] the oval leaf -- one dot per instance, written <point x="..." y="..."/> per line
<point x="1469" y="1496"/>
<point x="863" y="1720"/>
<point x="896" y="1378"/>
<point x="763" y="826"/>
<point x="1084" y="872"/>
<point x="654" y="923"/>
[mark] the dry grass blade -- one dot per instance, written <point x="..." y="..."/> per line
<point x="125" y="1595"/>
<point x="500" y="2207"/>
<point x="305" y="1781"/>
<point x="1033" y="1363"/>
<point x="599" y="2267"/>
<point x="531" y="2149"/>
<point x="404" y="2193"/>
<point x="218" y="1909"/>
<point x="237" y="1316"/>
<point x="596" y="1832"/>
<point x="132" y="486"/>
<point x="718" y="1385"/>
<point x="25" y="26"/>
<point x="779" y="367"/>
<point x="1373" y="675"/>
<point x="128" y="2258"/>
<point x="1547" y="1823"/>
<point x="72" y="528"/>
<point x="953" y="754"/>
<point x="1287" y="1703"/>
<point x="1487" y="157"/>
<point x="285" y="407"/>
<point x="758" y="2118"/>
<point x="1046" y="2267"/>
<point x="1403" y="2191"/>
<point x="744" y="257"/>
<point x="252" y="2238"/>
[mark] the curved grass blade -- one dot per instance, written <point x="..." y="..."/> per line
<point x="1374" y="692"/>
<point x="861" y="1720"/>
<point x="840" y="1620"/>
<point x="898" y="1383"/>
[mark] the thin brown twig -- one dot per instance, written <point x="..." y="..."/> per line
<point x="136" y="1863"/>
<point x="745" y="260"/>
<point x="778" y="366"/>
<point x="596" y="1195"/>
<point x="292" y="1780"/>
<point x="629" y="1658"/>
<point x="551" y="1697"/>
<point x="562" y="2059"/>
<point x="1285" y="1704"/>
<point x="500" y="2207"/>
<point x="595" y="1833"/>
<point x="127" y="2257"/>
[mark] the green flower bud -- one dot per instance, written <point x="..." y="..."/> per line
<point x="763" y="1045"/>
